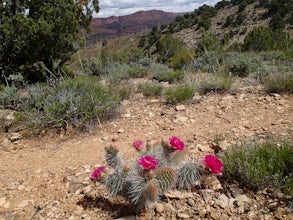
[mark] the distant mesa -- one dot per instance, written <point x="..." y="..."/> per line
<point x="115" y="26"/>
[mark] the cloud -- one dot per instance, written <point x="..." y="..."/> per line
<point x="125" y="7"/>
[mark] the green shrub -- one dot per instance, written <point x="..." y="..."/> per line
<point x="259" y="165"/>
<point x="242" y="64"/>
<point x="94" y="66"/>
<point x="278" y="82"/>
<point x="168" y="46"/>
<point x="264" y="39"/>
<point x="219" y="82"/>
<point x="208" y="42"/>
<point x="179" y="93"/>
<point x="124" y="89"/>
<point x="79" y="102"/>
<point x="137" y="71"/>
<point x="10" y="98"/>
<point x="171" y="76"/>
<point x="180" y="59"/>
<point x="118" y="72"/>
<point x="150" y="89"/>
<point x="208" y="62"/>
<point x="259" y="39"/>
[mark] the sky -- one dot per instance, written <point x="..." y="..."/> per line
<point x="124" y="7"/>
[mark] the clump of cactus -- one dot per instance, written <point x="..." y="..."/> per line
<point x="158" y="169"/>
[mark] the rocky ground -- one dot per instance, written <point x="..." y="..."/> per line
<point x="47" y="177"/>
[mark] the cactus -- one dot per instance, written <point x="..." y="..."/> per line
<point x="157" y="169"/>
<point x="187" y="176"/>
<point x="142" y="192"/>
<point x="113" y="159"/>
<point x="165" y="178"/>
<point x="116" y="185"/>
<point x="178" y="157"/>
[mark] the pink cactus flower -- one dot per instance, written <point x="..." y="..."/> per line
<point x="138" y="145"/>
<point x="214" y="164"/>
<point x="96" y="174"/>
<point x="148" y="162"/>
<point x="176" y="143"/>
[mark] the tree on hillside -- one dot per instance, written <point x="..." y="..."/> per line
<point x="40" y="34"/>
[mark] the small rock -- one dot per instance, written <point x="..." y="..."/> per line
<point x="23" y="204"/>
<point x="128" y="115"/>
<point x="207" y="194"/>
<point x="191" y="202"/>
<point x="169" y="208"/>
<point x="272" y="206"/>
<point x="105" y="138"/>
<point x="13" y="185"/>
<point x="72" y="217"/>
<point x="38" y="171"/>
<point x="175" y="194"/>
<point x="159" y="207"/>
<point x="222" y="201"/>
<point x="202" y="213"/>
<point x="15" y="137"/>
<point x="228" y="97"/>
<point x="2" y="201"/>
<point x="203" y="148"/>
<point x="114" y="137"/>
<point x="180" y="108"/>
<point x="179" y="118"/>
<point x="182" y="215"/>
<point x="87" y="189"/>
<point x="21" y="187"/>
<point x="7" y="205"/>
<point x="154" y="100"/>
<point x="211" y="182"/>
<point x="215" y="214"/>
<point x="231" y="202"/>
<point x="242" y="198"/>
<point x="78" y="211"/>
<point x="276" y="95"/>
<point x="121" y="130"/>
<point x="131" y="217"/>
<point x="151" y="115"/>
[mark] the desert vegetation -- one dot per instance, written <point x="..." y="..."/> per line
<point x="52" y="82"/>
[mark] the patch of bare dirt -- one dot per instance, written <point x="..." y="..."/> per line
<point x="48" y="177"/>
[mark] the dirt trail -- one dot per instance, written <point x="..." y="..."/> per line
<point x="34" y="172"/>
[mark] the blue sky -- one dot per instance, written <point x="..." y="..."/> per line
<point x="125" y="7"/>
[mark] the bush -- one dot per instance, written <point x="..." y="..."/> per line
<point x="258" y="165"/>
<point x="259" y="39"/>
<point x="180" y="59"/>
<point x="171" y="76"/>
<point x="10" y="98"/>
<point x="219" y="82"/>
<point x="208" y="62"/>
<point x="150" y="89"/>
<point x="118" y="72"/>
<point x="78" y="102"/>
<point x="180" y="93"/>
<point x="163" y="73"/>
<point x="137" y="71"/>
<point x="168" y="46"/>
<point x="278" y="82"/>
<point x="94" y="66"/>
<point x="264" y="39"/>
<point x="242" y="64"/>
<point x="208" y="42"/>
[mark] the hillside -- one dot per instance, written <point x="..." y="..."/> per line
<point x="105" y="28"/>
<point x="228" y="21"/>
